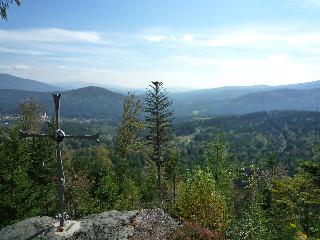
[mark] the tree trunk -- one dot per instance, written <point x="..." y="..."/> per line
<point x="174" y="186"/>
<point x="159" y="180"/>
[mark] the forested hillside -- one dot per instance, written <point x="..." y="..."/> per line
<point x="288" y="136"/>
<point x="88" y="102"/>
<point x="251" y="176"/>
<point x="230" y="152"/>
<point x="237" y="103"/>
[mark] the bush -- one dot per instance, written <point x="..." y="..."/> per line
<point x="199" y="202"/>
<point x="191" y="230"/>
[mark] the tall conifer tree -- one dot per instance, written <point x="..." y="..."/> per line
<point x="158" y="122"/>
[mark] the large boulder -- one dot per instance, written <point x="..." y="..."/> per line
<point x="153" y="224"/>
<point x="27" y="229"/>
<point x="145" y="224"/>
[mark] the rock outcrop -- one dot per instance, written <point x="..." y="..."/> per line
<point x="148" y="224"/>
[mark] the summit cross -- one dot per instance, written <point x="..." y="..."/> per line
<point x="58" y="137"/>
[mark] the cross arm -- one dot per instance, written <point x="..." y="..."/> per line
<point x="88" y="137"/>
<point x="23" y="134"/>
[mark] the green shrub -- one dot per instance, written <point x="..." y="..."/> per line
<point x="191" y="230"/>
<point x="199" y="202"/>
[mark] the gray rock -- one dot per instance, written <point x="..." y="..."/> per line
<point x="114" y="225"/>
<point x="107" y="225"/>
<point x="27" y="229"/>
<point x="154" y="224"/>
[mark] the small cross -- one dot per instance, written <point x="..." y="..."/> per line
<point x="59" y="136"/>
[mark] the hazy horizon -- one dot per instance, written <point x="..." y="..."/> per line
<point x="192" y="45"/>
<point x="69" y="85"/>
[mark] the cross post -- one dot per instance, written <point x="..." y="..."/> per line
<point x="58" y="137"/>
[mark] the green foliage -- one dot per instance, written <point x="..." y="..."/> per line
<point x="191" y="230"/>
<point x="158" y="122"/>
<point x="83" y="103"/>
<point x="216" y="157"/>
<point x="30" y="115"/>
<point x="288" y="135"/>
<point x="128" y="135"/>
<point x="172" y="170"/>
<point x="128" y="145"/>
<point x="108" y="191"/>
<point x="148" y="182"/>
<point x="129" y="198"/>
<point x="250" y="187"/>
<point x="296" y="200"/>
<point x="199" y="201"/>
<point x="26" y="178"/>
<point x="77" y="194"/>
<point x="128" y="140"/>
<point x="4" y="5"/>
<point x="252" y="224"/>
<point x="216" y="153"/>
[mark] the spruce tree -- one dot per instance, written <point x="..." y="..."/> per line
<point x="158" y="122"/>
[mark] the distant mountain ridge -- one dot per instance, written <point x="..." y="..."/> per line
<point x="96" y="102"/>
<point x="8" y="81"/>
<point x="236" y="91"/>
<point x="278" y="99"/>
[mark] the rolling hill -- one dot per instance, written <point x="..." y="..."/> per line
<point x="97" y="102"/>
<point x="100" y="103"/>
<point x="8" y="81"/>
<point x="88" y="102"/>
<point x="279" y="99"/>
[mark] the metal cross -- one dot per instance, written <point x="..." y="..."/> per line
<point x="58" y="138"/>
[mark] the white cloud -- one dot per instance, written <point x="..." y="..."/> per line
<point x="23" y="52"/>
<point x="21" y="67"/>
<point x="61" y="67"/>
<point x="15" y="67"/>
<point x="250" y="38"/>
<point x="256" y="40"/>
<point x="187" y="38"/>
<point x="5" y="67"/>
<point x="49" y="35"/>
<point x="240" y="55"/>
<point x="196" y="61"/>
<point x="272" y="69"/>
<point x="311" y="4"/>
<point x="156" y="38"/>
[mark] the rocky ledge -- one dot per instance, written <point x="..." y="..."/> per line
<point x="148" y="224"/>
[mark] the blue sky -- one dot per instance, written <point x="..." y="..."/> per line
<point x="184" y="43"/>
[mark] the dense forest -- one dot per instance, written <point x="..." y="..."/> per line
<point x="253" y="176"/>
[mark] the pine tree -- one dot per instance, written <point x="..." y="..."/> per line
<point x="172" y="168"/>
<point x="128" y="141"/>
<point x="128" y="144"/>
<point x="158" y="122"/>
